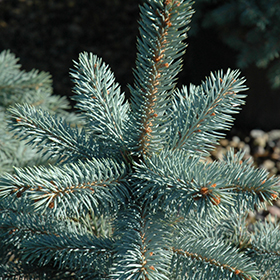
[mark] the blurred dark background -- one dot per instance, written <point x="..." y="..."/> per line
<point x="48" y="35"/>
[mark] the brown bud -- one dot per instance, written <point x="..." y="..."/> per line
<point x="51" y="205"/>
<point x="274" y="195"/>
<point x="204" y="191"/>
<point x="19" y="194"/>
<point x="216" y="200"/>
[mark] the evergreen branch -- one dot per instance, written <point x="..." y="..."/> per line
<point x="234" y="231"/>
<point x="265" y="249"/>
<point x="96" y="185"/>
<point x="183" y="182"/>
<point x="200" y="113"/>
<point x="9" y="63"/>
<point x="266" y="237"/>
<point x="177" y="180"/>
<point x="138" y="200"/>
<point x="163" y="28"/>
<point x="251" y="185"/>
<point x="34" y="87"/>
<point x="215" y="259"/>
<point x="51" y="132"/>
<point x="92" y="255"/>
<point x="14" y="152"/>
<point x="10" y="271"/>
<point x="19" y="227"/>
<point x="32" y="80"/>
<point x="192" y="233"/>
<point x="26" y="234"/>
<point x="99" y="98"/>
<point x="16" y="228"/>
<point x="18" y="85"/>
<point x="142" y="240"/>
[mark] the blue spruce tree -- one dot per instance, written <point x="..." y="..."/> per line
<point x="34" y="88"/>
<point x="131" y="195"/>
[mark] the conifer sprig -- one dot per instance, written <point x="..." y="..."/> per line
<point x="79" y="250"/>
<point x="144" y="246"/>
<point x="157" y="65"/>
<point x="99" y="98"/>
<point x="131" y="195"/>
<point x="265" y="248"/>
<point x="71" y="189"/>
<point x="181" y="181"/>
<point x="19" y="86"/>
<point x="33" y="88"/>
<point x="252" y="186"/>
<point x="202" y="112"/>
<point x="51" y="134"/>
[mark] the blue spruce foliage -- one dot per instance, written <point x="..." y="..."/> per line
<point x="130" y="194"/>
